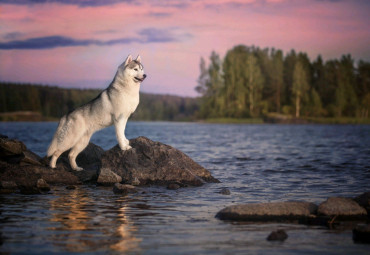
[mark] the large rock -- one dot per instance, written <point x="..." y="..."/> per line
<point x="154" y="163"/>
<point x="280" y="212"/>
<point x="88" y="159"/>
<point x="148" y="162"/>
<point x="342" y="208"/>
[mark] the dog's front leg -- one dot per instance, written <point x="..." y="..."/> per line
<point x="120" y="126"/>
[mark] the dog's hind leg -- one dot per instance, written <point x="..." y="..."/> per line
<point x="54" y="158"/>
<point x="79" y="146"/>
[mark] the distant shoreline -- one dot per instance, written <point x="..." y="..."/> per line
<point x="30" y="116"/>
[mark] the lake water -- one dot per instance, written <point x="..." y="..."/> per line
<point x="257" y="163"/>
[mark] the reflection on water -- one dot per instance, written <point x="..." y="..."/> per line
<point x="125" y="232"/>
<point x="81" y="224"/>
<point x="257" y="163"/>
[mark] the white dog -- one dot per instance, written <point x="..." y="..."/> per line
<point x="112" y="106"/>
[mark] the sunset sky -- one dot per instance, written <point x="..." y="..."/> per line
<point x="72" y="43"/>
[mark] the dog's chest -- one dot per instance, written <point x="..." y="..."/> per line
<point x="126" y="103"/>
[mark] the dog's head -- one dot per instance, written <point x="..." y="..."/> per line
<point x="134" y="69"/>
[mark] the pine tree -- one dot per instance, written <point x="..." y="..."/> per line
<point x="254" y="84"/>
<point x="300" y="86"/>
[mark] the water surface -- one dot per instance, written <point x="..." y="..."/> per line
<point x="258" y="163"/>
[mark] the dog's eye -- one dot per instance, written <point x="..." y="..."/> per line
<point x="136" y="69"/>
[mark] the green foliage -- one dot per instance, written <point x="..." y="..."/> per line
<point x="300" y="86"/>
<point x="54" y="102"/>
<point x="254" y="82"/>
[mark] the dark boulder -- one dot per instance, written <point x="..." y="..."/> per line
<point x="364" y="201"/>
<point x="361" y="233"/>
<point x="342" y="208"/>
<point x="265" y="212"/>
<point x="278" y="235"/>
<point x="152" y="162"/>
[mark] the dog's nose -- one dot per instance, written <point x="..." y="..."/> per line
<point x="144" y="75"/>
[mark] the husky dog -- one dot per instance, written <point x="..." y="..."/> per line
<point x="112" y="106"/>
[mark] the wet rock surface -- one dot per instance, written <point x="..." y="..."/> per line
<point x="265" y="212"/>
<point x="154" y="163"/>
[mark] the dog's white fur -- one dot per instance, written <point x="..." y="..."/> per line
<point x="113" y="106"/>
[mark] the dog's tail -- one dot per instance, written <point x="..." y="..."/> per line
<point x="54" y="143"/>
<point x="52" y="147"/>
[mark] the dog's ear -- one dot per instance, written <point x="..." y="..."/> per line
<point x="138" y="58"/>
<point x="128" y="60"/>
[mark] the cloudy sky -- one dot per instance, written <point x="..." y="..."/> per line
<point x="72" y="43"/>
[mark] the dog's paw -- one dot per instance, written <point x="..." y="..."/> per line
<point x="126" y="147"/>
<point x="78" y="168"/>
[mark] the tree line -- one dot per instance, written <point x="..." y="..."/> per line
<point x="253" y="82"/>
<point x="54" y="102"/>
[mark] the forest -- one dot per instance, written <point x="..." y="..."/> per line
<point x="250" y="82"/>
<point x="53" y="102"/>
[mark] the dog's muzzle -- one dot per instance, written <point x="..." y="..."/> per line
<point x="137" y="79"/>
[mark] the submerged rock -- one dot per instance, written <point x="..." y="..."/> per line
<point x="342" y="208"/>
<point x="154" y="163"/>
<point x="281" y="211"/>
<point x="173" y="186"/>
<point x="123" y="189"/>
<point x="278" y="235"/>
<point x="225" y="191"/>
